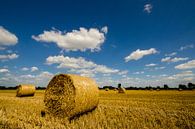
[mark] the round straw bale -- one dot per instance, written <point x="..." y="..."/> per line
<point x="121" y="90"/>
<point x="115" y="89"/>
<point x="180" y="89"/>
<point x="107" y="89"/>
<point x="69" y="95"/>
<point x="25" y="90"/>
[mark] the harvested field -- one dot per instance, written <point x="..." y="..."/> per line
<point x="135" y="109"/>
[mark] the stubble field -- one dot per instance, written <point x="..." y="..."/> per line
<point x="135" y="109"/>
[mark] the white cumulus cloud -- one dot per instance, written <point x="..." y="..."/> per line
<point x="81" y="39"/>
<point x="25" y="69"/>
<point x="8" y="57"/>
<point x="79" y="65"/>
<point x="123" y="72"/>
<point x="175" y="59"/>
<point x="69" y="62"/>
<point x="41" y="79"/>
<point x="34" y="69"/>
<point x="4" y="70"/>
<point x="7" y="38"/>
<point x="171" y="54"/>
<point x="150" y="65"/>
<point x="148" y="8"/>
<point x="105" y="29"/>
<point x="186" y="47"/>
<point x="188" y="65"/>
<point x="183" y="77"/>
<point x="138" y="54"/>
<point x="139" y="72"/>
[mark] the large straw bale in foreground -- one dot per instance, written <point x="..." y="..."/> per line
<point x="69" y="95"/>
<point x="25" y="90"/>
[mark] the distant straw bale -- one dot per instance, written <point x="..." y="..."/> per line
<point x="107" y="89"/>
<point x="115" y="89"/>
<point x="69" y="95"/>
<point x="180" y="89"/>
<point x="121" y="89"/>
<point x="25" y="90"/>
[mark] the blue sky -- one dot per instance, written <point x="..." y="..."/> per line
<point x="136" y="43"/>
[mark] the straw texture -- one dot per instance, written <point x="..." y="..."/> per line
<point x="25" y="90"/>
<point x="69" y="95"/>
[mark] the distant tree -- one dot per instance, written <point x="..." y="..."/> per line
<point x="166" y="86"/>
<point x="2" y="87"/>
<point x="191" y="86"/>
<point x="119" y="85"/>
<point x="108" y="87"/>
<point x="131" y="88"/>
<point x="181" y="86"/>
<point x="158" y="87"/>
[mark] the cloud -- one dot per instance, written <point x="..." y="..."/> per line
<point x="148" y="8"/>
<point x="153" y="68"/>
<point x="171" y="54"/>
<point x="45" y="75"/>
<point x="79" y="65"/>
<point x="106" y="75"/>
<point x="163" y="75"/>
<point x="40" y="79"/>
<point x="4" y="70"/>
<point x="183" y="76"/>
<point x="104" y="69"/>
<point x="83" y="72"/>
<point x="34" y="69"/>
<point x="25" y="69"/>
<point x="176" y="59"/>
<point x="189" y="79"/>
<point x="141" y="72"/>
<point x="7" y="38"/>
<point x="8" y="57"/>
<point x="188" y="65"/>
<point x="70" y="62"/>
<point x="81" y="39"/>
<point x="123" y="72"/>
<point x="138" y="54"/>
<point x="105" y="29"/>
<point x="150" y="65"/>
<point x="186" y="47"/>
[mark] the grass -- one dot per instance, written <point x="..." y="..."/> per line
<point x="135" y="109"/>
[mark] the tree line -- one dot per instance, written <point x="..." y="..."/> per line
<point x="15" y="87"/>
<point x="189" y="86"/>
